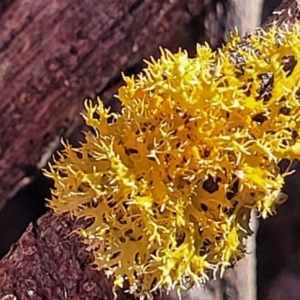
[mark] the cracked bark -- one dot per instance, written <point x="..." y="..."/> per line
<point x="49" y="262"/>
<point x="53" y="54"/>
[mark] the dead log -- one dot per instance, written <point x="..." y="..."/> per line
<point x="49" y="262"/>
<point x="54" y="54"/>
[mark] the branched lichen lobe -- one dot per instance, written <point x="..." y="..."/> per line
<point x="171" y="181"/>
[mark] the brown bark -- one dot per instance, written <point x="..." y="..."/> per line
<point x="49" y="262"/>
<point x="53" y="54"/>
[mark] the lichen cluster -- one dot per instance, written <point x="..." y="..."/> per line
<point x="170" y="182"/>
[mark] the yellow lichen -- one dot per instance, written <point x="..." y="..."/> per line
<point x="170" y="182"/>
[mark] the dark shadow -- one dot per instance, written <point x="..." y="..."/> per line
<point x="27" y="206"/>
<point x="268" y="7"/>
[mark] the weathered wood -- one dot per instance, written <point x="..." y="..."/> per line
<point x="55" y="53"/>
<point x="49" y="262"/>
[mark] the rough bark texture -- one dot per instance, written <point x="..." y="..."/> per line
<point x="53" y="54"/>
<point x="49" y="262"/>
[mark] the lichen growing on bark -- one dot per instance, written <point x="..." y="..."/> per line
<point x="170" y="182"/>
